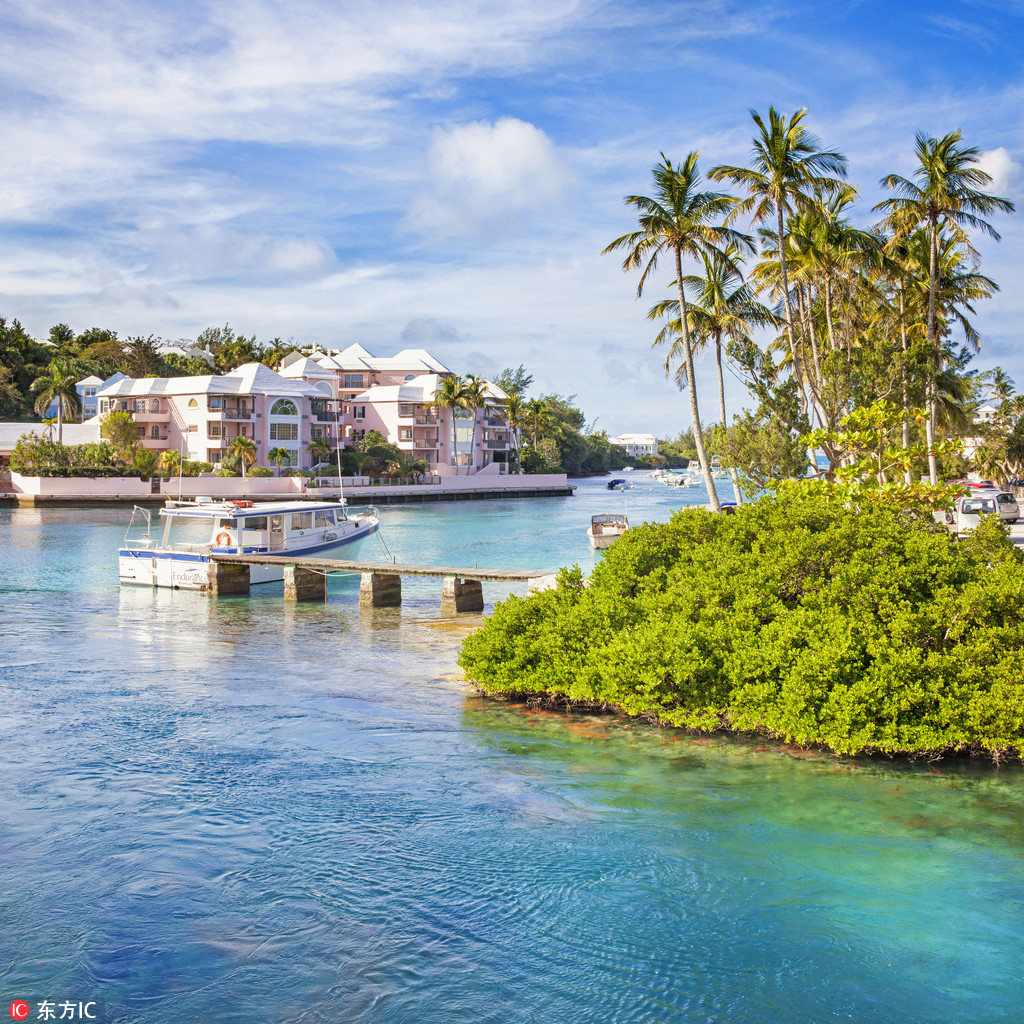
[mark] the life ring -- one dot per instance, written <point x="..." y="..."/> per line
<point x="223" y="539"/>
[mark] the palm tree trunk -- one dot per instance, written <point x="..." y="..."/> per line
<point x="60" y="420"/>
<point x="698" y="435"/>
<point x="907" y="475"/>
<point x="721" y="403"/>
<point x="933" y="336"/>
<point x="789" y="306"/>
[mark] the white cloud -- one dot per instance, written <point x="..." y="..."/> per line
<point x="1007" y="174"/>
<point x="483" y="176"/>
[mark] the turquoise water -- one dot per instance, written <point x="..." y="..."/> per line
<point x="236" y="810"/>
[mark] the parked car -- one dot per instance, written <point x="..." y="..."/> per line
<point x="981" y="485"/>
<point x="1006" y="503"/>
<point x="968" y="509"/>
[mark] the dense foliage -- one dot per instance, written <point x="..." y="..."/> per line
<point x="801" y="618"/>
<point x="44" y="457"/>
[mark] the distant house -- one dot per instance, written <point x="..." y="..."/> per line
<point x="985" y="414"/>
<point x="636" y="444"/>
<point x="88" y="388"/>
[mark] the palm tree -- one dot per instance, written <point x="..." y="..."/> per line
<point x="515" y="412"/>
<point x="318" y="449"/>
<point x="450" y="394"/>
<point x="170" y="462"/>
<point x="539" y="410"/>
<point x="677" y="221"/>
<point x="788" y="167"/>
<point x="279" y="455"/>
<point x="475" y="394"/>
<point x="945" y="192"/>
<point x="244" y="448"/>
<point x="57" y="384"/>
<point x="725" y="306"/>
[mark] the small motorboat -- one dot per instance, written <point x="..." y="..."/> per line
<point x="616" y="483"/>
<point x="606" y="529"/>
<point x="193" y="530"/>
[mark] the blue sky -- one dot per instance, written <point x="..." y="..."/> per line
<point x="447" y="174"/>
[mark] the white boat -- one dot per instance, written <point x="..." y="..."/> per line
<point x="193" y="531"/>
<point x="606" y="529"/>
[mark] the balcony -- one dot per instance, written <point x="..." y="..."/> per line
<point x="495" y="421"/>
<point x="231" y="412"/>
<point x="152" y="416"/>
<point x="496" y="444"/>
<point x="425" y="419"/>
<point x="154" y="442"/>
<point x="426" y="443"/>
<point x="326" y="415"/>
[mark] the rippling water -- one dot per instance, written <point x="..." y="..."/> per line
<point x="235" y="810"/>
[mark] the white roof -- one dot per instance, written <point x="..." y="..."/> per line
<point x="88" y="381"/>
<point x="306" y="367"/>
<point x="356" y="358"/>
<point x="633" y="439"/>
<point x="250" y="379"/>
<point x="419" y="390"/>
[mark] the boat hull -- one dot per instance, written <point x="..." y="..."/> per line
<point x="181" y="570"/>
<point x="603" y="540"/>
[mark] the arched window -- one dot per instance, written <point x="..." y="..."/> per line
<point x="193" y="404"/>
<point x="283" y="407"/>
<point x="154" y="432"/>
<point x="154" y="405"/>
<point x="410" y="376"/>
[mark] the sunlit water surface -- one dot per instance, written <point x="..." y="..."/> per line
<point x="237" y="810"/>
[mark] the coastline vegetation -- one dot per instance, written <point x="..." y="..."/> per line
<point x="860" y="628"/>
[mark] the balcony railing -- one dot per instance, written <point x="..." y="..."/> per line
<point x="495" y="421"/>
<point x="152" y="416"/>
<point x="326" y="415"/>
<point x="425" y="418"/>
<point x="232" y="412"/>
<point x="496" y="444"/>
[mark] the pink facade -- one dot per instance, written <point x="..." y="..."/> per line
<point x="337" y="396"/>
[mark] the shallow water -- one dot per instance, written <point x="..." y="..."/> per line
<point x="235" y="810"/>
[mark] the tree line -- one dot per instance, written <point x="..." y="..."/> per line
<point x="861" y="315"/>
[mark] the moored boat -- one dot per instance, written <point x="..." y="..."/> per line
<point x="606" y="529"/>
<point x="193" y="531"/>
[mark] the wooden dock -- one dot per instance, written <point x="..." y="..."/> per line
<point x="380" y="586"/>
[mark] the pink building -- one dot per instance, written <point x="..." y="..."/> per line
<point x="406" y="416"/>
<point x="201" y="416"/>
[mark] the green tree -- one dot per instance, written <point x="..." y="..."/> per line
<point x="678" y="220"/>
<point x="450" y="394"/>
<point x="170" y="462"/>
<point x="278" y="456"/>
<point x="514" y="382"/>
<point x="57" y="384"/>
<point x="788" y="167"/>
<point x="475" y="395"/>
<point x="243" y="449"/>
<point x="945" y="191"/>
<point x="121" y="430"/>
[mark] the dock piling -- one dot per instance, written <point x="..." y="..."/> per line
<point x="228" y="578"/>
<point x="380" y="590"/>
<point x="461" y="596"/>
<point x="304" y="584"/>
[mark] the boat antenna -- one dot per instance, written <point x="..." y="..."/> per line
<point x="181" y="464"/>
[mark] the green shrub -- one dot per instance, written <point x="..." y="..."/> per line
<point x="259" y="471"/>
<point x="859" y="629"/>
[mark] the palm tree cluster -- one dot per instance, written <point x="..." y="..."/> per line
<point x="862" y="314"/>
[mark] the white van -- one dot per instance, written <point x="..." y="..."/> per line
<point x="969" y="508"/>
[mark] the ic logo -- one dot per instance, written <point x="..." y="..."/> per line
<point x="20" y="1010"/>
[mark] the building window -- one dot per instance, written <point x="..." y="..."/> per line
<point x="154" y="406"/>
<point x="405" y="411"/>
<point x="359" y="411"/>
<point x="410" y="376"/>
<point x="284" y="431"/>
<point x="284" y="407"/>
<point x="154" y="432"/>
<point x="405" y="433"/>
<point x="214" y="430"/>
<point x="193" y="428"/>
<point x="193" y="404"/>
<point x="352" y="380"/>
